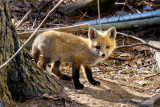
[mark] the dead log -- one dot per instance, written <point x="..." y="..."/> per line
<point x="87" y="5"/>
<point x="70" y="29"/>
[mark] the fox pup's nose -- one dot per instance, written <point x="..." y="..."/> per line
<point x="103" y="55"/>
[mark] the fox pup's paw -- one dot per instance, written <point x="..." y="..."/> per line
<point x="96" y="83"/>
<point x="65" y="77"/>
<point x="79" y="86"/>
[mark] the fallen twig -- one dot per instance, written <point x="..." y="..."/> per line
<point x="131" y="8"/>
<point x="134" y="37"/>
<point x="86" y="15"/>
<point x="23" y="19"/>
<point x="82" y="17"/>
<point x="122" y="3"/>
<point x="138" y="44"/>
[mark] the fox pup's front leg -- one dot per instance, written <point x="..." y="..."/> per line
<point x="76" y="75"/>
<point x="55" y="70"/>
<point x="88" y="73"/>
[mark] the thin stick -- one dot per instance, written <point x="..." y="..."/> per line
<point x="138" y="44"/>
<point x="23" y="19"/>
<point x="86" y="15"/>
<point x="82" y="17"/>
<point x="32" y="34"/>
<point x="131" y="8"/>
<point x="132" y="37"/>
<point x="124" y="5"/>
<point x="99" y="17"/>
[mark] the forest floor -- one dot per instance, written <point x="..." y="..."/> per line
<point x="111" y="93"/>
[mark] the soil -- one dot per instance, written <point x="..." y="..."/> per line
<point x="111" y="93"/>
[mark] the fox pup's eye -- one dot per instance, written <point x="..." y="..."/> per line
<point x="107" y="46"/>
<point x="98" y="47"/>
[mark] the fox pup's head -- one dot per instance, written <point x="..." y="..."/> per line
<point x="102" y="43"/>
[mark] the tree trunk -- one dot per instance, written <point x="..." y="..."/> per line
<point x="21" y="79"/>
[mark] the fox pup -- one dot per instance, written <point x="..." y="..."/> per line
<point x="55" y="47"/>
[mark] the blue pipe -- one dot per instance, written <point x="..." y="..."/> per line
<point x="129" y="24"/>
<point x="123" y="18"/>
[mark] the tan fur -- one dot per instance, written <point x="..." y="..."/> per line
<point x="68" y="47"/>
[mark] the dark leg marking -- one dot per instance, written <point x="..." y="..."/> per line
<point x="76" y="75"/>
<point x="88" y="73"/>
<point x="56" y="71"/>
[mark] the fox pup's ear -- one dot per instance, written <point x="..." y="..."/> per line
<point x="111" y="32"/>
<point x="92" y="33"/>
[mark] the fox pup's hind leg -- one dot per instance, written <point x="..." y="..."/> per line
<point x="55" y="70"/>
<point x="76" y="75"/>
<point x="43" y="61"/>
<point x="88" y="73"/>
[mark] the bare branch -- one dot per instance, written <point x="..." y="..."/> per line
<point x="23" y="19"/>
<point x="82" y="17"/>
<point x="134" y="37"/>
<point x="138" y="44"/>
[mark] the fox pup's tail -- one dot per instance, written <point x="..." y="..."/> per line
<point x="35" y="53"/>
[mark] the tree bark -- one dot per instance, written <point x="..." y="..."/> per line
<point x="21" y="79"/>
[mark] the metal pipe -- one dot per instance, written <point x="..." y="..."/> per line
<point x="123" y="18"/>
<point x="129" y="24"/>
